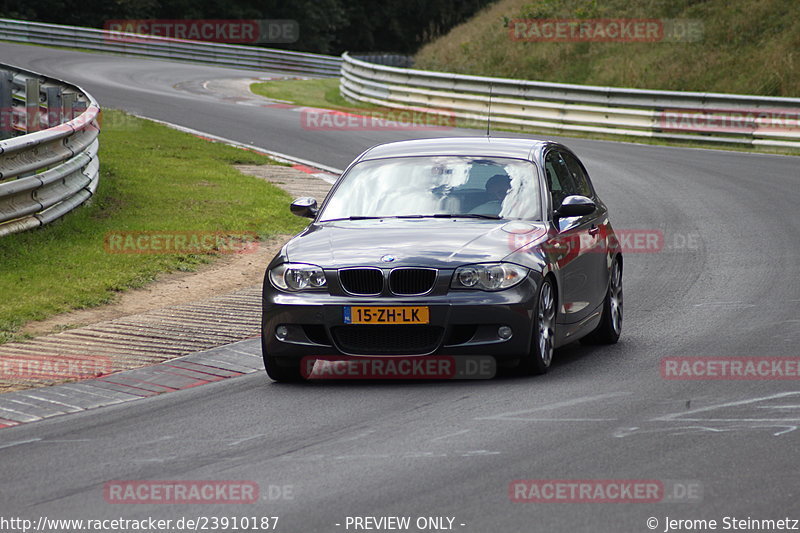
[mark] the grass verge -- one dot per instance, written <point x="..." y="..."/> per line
<point x="743" y="46"/>
<point x="312" y="93"/>
<point x="324" y="93"/>
<point x="152" y="178"/>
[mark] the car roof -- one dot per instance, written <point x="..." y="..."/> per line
<point x="459" y="146"/>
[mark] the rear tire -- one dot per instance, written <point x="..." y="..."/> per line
<point x="610" y="326"/>
<point x="544" y="331"/>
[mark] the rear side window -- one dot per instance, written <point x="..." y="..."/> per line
<point x="578" y="175"/>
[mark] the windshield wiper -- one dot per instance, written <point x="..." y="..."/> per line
<point x="365" y="217"/>
<point x="436" y="215"/>
<point x="354" y="217"/>
<point x="466" y="215"/>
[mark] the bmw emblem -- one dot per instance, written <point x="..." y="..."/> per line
<point x="388" y="258"/>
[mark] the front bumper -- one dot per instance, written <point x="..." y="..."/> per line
<point x="461" y="323"/>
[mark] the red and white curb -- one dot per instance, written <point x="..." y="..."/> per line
<point x="193" y="370"/>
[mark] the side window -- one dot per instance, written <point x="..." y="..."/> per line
<point x="578" y="175"/>
<point x="559" y="178"/>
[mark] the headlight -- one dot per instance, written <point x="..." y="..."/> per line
<point x="488" y="276"/>
<point x="297" y="277"/>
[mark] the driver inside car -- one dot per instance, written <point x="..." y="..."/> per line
<point x="496" y="189"/>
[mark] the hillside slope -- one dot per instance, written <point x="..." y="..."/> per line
<point x="747" y="46"/>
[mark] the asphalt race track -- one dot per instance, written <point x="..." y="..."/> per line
<point x="725" y="283"/>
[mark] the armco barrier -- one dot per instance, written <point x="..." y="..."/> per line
<point x="710" y="117"/>
<point x="48" y="151"/>
<point x="223" y="55"/>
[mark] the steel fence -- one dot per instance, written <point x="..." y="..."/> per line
<point x="227" y="55"/>
<point x="48" y="151"/>
<point x="563" y="108"/>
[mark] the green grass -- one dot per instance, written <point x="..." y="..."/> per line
<point x="324" y="93"/>
<point x="748" y="47"/>
<point x="312" y="93"/>
<point x="153" y="178"/>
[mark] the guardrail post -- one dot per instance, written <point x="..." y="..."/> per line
<point x="78" y="108"/>
<point x="55" y="111"/>
<point x="68" y="106"/>
<point x="32" y="121"/>
<point x="6" y="110"/>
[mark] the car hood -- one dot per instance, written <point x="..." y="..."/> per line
<point x="411" y="242"/>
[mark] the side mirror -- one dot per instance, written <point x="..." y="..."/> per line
<point x="304" y="207"/>
<point x="576" y="206"/>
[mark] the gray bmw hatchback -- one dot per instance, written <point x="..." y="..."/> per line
<point x="454" y="246"/>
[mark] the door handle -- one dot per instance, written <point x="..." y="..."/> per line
<point x="594" y="230"/>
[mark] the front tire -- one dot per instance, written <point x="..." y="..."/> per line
<point x="282" y="370"/>
<point x="610" y="326"/>
<point x="544" y="331"/>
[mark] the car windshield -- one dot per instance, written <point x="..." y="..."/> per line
<point x="442" y="186"/>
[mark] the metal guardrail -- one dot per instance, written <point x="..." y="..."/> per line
<point x="690" y="116"/>
<point x="391" y="60"/>
<point x="48" y="151"/>
<point x="227" y="55"/>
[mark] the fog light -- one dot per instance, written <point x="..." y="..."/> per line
<point x="504" y="332"/>
<point x="281" y="332"/>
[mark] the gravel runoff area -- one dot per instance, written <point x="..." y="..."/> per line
<point x="143" y="339"/>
